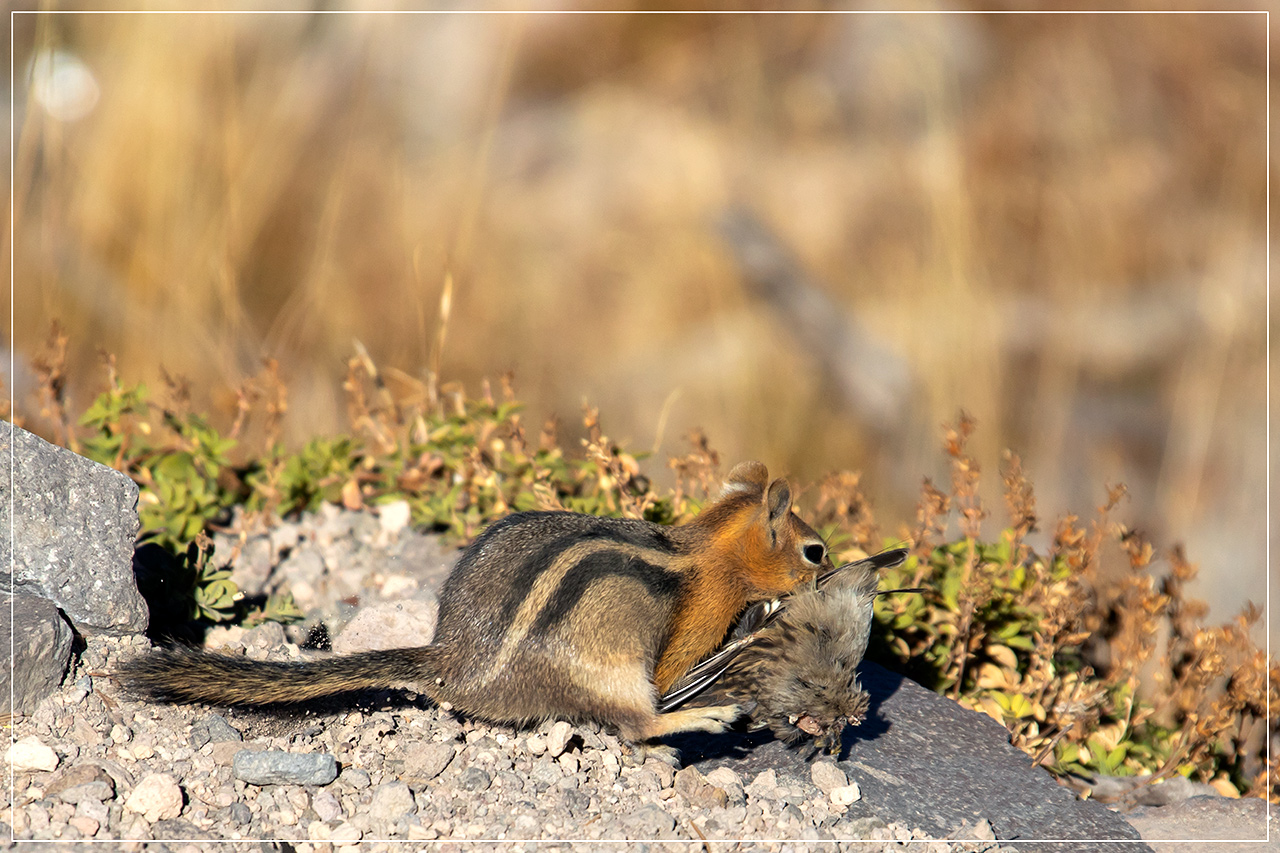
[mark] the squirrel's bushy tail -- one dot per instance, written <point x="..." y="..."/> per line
<point x="192" y="675"/>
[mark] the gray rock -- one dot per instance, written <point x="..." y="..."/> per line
<point x="1203" y="819"/>
<point x="74" y="525"/>
<point x="284" y="768"/>
<point x="218" y="729"/>
<point x="924" y="761"/>
<point x="42" y="647"/>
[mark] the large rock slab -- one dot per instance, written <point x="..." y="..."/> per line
<point x="74" y="523"/>
<point x="925" y="761"/>
<point x="40" y="651"/>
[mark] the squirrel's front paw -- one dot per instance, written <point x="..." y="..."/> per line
<point x="720" y="717"/>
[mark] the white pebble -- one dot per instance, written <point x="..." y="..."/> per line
<point x="156" y="797"/>
<point x="536" y="745"/>
<point x="30" y="754"/>
<point x="845" y="795"/>
<point x="558" y="737"/>
<point x="393" y="517"/>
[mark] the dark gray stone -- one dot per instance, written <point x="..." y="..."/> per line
<point x="41" y="649"/>
<point x="1199" y="819"/>
<point x="474" y="779"/>
<point x="212" y="728"/>
<point x="220" y="731"/>
<point x="925" y="761"/>
<point x="284" y="768"/>
<point x="74" y="525"/>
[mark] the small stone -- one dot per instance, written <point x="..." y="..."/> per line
<point x="525" y="827"/>
<point x="284" y="768"/>
<point x="97" y="790"/>
<point x="78" y="774"/>
<point x="558" y="738"/>
<point x="345" y="833"/>
<point x="845" y="795"/>
<point x="327" y="806"/>
<point x="120" y="734"/>
<point x="568" y="763"/>
<point x="730" y="782"/>
<point x="30" y="754"/>
<point x="224" y="753"/>
<point x="545" y="772"/>
<point x="827" y="776"/>
<point x="692" y="785"/>
<point x="648" y="822"/>
<point x="393" y="517"/>
<point x="392" y="802"/>
<point x="425" y="762"/>
<point x="765" y="785"/>
<point x="157" y="797"/>
<point x="356" y="778"/>
<point x="665" y="772"/>
<point x="220" y="731"/>
<point x="536" y="744"/>
<point x="88" y="826"/>
<point x="474" y="779"/>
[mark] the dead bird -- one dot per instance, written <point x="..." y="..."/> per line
<point x="792" y="661"/>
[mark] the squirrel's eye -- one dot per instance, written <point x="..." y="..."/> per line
<point x="814" y="553"/>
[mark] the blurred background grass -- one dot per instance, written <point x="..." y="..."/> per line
<point x="1055" y="222"/>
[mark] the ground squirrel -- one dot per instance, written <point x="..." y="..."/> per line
<point x="557" y="615"/>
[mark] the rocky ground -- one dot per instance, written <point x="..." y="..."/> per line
<point x="92" y="762"/>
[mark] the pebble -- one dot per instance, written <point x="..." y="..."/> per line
<point x="827" y="776"/>
<point x="284" y="768"/>
<point x="474" y="779"/>
<point x="558" y="738"/>
<point x="693" y="786"/>
<point x="730" y="782"/>
<point x="391" y="802"/>
<point x="157" y="797"/>
<point x="327" y="807"/>
<point x="424" y="762"/>
<point x="30" y="753"/>
<point x="845" y="795"/>
<point x="97" y="790"/>
<point x="649" y="821"/>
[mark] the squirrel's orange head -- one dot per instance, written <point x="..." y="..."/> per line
<point x="752" y="526"/>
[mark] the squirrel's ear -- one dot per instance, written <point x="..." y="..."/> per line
<point x="779" y="501"/>
<point x="746" y="478"/>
